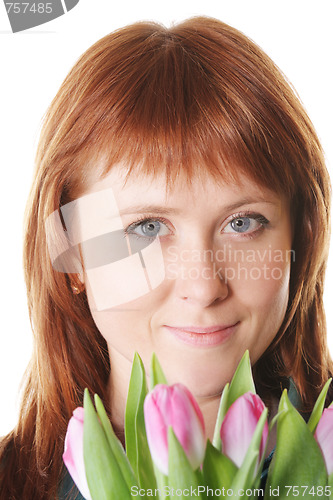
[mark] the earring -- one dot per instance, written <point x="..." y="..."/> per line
<point x="76" y="290"/>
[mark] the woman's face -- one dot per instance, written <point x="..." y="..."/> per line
<point x="214" y="282"/>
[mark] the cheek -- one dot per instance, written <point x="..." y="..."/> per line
<point x="272" y="296"/>
<point x="264" y="282"/>
<point x="261" y="287"/>
<point x="127" y="323"/>
<point x="123" y="281"/>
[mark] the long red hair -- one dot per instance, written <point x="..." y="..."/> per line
<point x="197" y="97"/>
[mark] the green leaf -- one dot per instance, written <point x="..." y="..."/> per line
<point x="241" y="383"/>
<point x="115" y="445"/>
<point x="137" y="449"/>
<point x="220" y="416"/>
<point x="329" y="487"/>
<point x="104" y="476"/>
<point x="181" y="475"/>
<point x="242" y="380"/>
<point x="156" y="373"/>
<point x="218" y="470"/>
<point x="162" y="482"/>
<point x="318" y="408"/>
<point x="297" y="459"/>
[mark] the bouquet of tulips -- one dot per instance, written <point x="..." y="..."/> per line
<point x="167" y="454"/>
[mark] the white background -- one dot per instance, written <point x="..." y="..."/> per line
<point x="297" y="34"/>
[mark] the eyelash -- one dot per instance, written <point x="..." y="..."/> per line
<point x="151" y="218"/>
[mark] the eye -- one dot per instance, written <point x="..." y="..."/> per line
<point x="246" y="224"/>
<point x="148" y="228"/>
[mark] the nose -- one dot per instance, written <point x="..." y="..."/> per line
<point x="199" y="278"/>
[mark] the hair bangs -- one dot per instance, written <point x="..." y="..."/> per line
<point x="172" y="110"/>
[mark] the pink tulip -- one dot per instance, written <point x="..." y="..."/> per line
<point x="174" y="406"/>
<point x="73" y="454"/>
<point x="324" y="437"/>
<point x="238" y="427"/>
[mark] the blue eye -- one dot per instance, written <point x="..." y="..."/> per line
<point x="241" y="225"/>
<point x="246" y="224"/>
<point x="149" y="228"/>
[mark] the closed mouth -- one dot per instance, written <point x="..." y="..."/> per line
<point x="203" y="335"/>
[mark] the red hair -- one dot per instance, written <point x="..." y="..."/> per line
<point x="198" y="97"/>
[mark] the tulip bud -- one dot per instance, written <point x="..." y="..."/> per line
<point x="324" y="437"/>
<point x="73" y="454"/>
<point x="174" y="406"/>
<point x="238" y="427"/>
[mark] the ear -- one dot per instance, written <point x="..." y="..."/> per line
<point x="78" y="277"/>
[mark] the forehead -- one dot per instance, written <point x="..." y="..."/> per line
<point x="155" y="188"/>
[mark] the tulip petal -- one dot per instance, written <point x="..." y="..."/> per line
<point x="191" y="435"/>
<point x="324" y="437"/>
<point x="239" y="425"/>
<point x="73" y="453"/>
<point x="157" y="435"/>
<point x="174" y="406"/>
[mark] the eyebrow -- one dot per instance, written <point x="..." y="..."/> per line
<point x="135" y="209"/>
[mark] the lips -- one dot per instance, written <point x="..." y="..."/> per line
<point x="203" y="335"/>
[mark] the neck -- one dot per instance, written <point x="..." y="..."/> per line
<point x="117" y="391"/>
<point x="209" y="407"/>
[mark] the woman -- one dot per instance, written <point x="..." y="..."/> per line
<point x="188" y="144"/>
